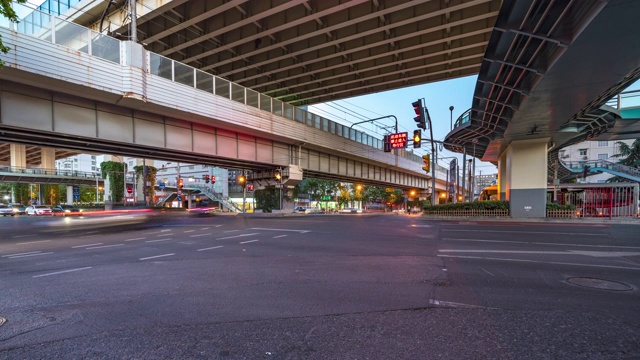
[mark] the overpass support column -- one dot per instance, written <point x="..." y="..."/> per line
<point x="48" y="158"/>
<point x="502" y="177"/>
<point x="18" y="155"/>
<point x="69" y="194"/>
<point x="526" y="177"/>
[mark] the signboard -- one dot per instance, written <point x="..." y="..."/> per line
<point x="129" y="191"/>
<point x="162" y="185"/>
<point x="325" y="198"/>
<point x="179" y="198"/>
<point x="76" y="192"/>
<point x="398" y="140"/>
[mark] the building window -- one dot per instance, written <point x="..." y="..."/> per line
<point x="603" y="156"/>
<point x="93" y="157"/>
<point x="603" y="143"/>
<point x="583" y="152"/>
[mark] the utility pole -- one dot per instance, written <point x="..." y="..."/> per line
<point x="134" y="20"/>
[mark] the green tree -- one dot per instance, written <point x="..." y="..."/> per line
<point x="7" y="11"/>
<point x="115" y="172"/>
<point x="629" y="156"/>
<point x="317" y="189"/>
<point x="267" y="199"/>
<point x="151" y="179"/>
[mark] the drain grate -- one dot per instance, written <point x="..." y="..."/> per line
<point x="599" y="284"/>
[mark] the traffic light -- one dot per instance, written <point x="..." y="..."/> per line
<point x="213" y="180"/>
<point x="426" y="159"/>
<point x="387" y="145"/>
<point x="585" y="171"/>
<point x="242" y="180"/>
<point x="420" y="120"/>
<point x="250" y="187"/>
<point x="207" y="178"/>
<point x="180" y="183"/>
<point x="278" y="175"/>
<point x="417" y="138"/>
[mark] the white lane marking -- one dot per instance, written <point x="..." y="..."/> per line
<point x="198" y="235"/>
<point x="88" y="236"/>
<point x="279" y="236"/>
<point x="299" y="231"/>
<point x="165" y="230"/>
<point x="250" y="241"/>
<point x="164" y="235"/>
<point x="104" y="246"/>
<point x="540" y="262"/>
<point x="33" y="242"/>
<point x="487" y="271"/>
<point x="218" y="225"/>
<point x="81" y="246"/>
<point x="205" y="228"/>
<point x="155" y="257"/>
<point x="524" y="232"/>
<point x="21" y="236"/>
<point x="542" y="243"/>
<point x="134" y="239"/>
<point x="159" y="240"/>
<point x="210" y="248"/>
<point x="237" y="236"/>
<point x="24" y="253"/>
<point x="455" y="304"/>
<point x="188" y="231"/>
<point x="425" y="226"/>
<point x="567" y="252"/>
<point x="228" y="231"/>
<point x="21" y="256"/>
<point x="62" y="272"/>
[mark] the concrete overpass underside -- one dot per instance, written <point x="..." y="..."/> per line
<point x="311" y="51"/>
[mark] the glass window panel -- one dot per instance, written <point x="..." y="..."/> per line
<point x="317" y="120"/>
<point x="309" y="119"/>
<point x="300" y="115"/>
<point x="277" y="107"/>
<point x="237" y="93"/>
<point x="339" y="129"/>
<point x="160" y="66"/>
<point x="325" y="124"/>
<point x="252" y="98"/>
<point x="345" y="132"/>
<point x="105" y="47"/>
<point x="222" y="88"/>
<point x="182" y="74"/>
<point x="353" y="134"/>
<point x="358" y="136"/>
<point x="265" y="103"/>
<point x="204" y="81"/>
<point x="64" y="6"/>
<point x="72" y="36"/>
<point x="332" y="127"/>
<point x="288" y="110"/>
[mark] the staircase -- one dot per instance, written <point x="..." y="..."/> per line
<point x="600" y="166"/>
<point x="215" y="196"/>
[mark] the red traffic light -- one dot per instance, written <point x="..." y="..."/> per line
<point x="207" y="178"/>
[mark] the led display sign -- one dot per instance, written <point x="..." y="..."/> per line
<point x="398" y="140"/>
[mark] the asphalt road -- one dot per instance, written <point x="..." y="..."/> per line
<point x="171" y="286"/>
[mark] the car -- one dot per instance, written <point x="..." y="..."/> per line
<point x="65" y="210"/>
<point x="299" y="209"/>
<point x="6" y="210"/>
<point x="38" y="210"/>
<point x="18" y="208"/>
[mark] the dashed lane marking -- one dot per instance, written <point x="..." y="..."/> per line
<point x="189" y="231"/>
<point x="279" y="236"/>
<point x="24" y="253"/>
<point x="134" y="239"/>
<point x="210" y="248"/>
<point x="250" y="241"/>
<point x="237" y="236"/>
<point x="33" y="242"/>
<point x="159" y="240"/>
<point x="267" y="229"/>
<point x="104" y="246"/>
<point x="62" y="272"/>
<point x="198" y="235"/>
<point x="155" y="257"/>
<point x="81" y="246"/>
<point x="21" y="236"/>
<point x="21" y="256"/>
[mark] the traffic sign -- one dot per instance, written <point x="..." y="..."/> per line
<point x="162" y="185"/>
<point x="129" y="191"/>
<point x="179" y="198"/>
<point x="76" y="192"/>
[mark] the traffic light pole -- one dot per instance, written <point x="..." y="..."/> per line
<point x="433" y="153"/>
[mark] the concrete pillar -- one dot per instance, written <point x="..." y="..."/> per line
<point x="526" y="180"/>
<point x="18" y="155"/>
<point x="69" y="194"/>
<point x="502" y="177"/>
<point x="48" y="158"/>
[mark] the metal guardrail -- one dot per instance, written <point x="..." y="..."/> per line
<point x="631" y="172"/>
<point x="215" y="196"/>
<point x="49" y="172"/>
<point x="625" y="99"/>
<point x="463" y="119"/>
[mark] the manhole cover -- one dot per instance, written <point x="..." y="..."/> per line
<point x="599" y="284"/>
<point x="2" y="320"/>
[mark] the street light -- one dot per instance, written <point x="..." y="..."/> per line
<point x="451" y="117"/>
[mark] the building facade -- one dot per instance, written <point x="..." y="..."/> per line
<point x="592" y="150"/>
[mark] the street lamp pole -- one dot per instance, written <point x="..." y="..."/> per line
<point x="451" y="118"/>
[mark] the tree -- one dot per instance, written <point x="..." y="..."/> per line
<point x="150" y="180"/>
<point x="629" y="156"/>
<point x="115" y="172"/>
<point x="7" y="11"/>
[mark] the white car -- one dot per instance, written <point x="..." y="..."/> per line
<point x="6" y="210"/>
<point x="38" y="210"/>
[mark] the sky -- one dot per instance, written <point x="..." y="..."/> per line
<point x="438" y="96"/>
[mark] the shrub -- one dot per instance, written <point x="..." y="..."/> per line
<point x="476" y="205"/>
<point x="554" y="206"/>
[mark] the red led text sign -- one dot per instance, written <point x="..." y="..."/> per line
<point x="398" y="141"/>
